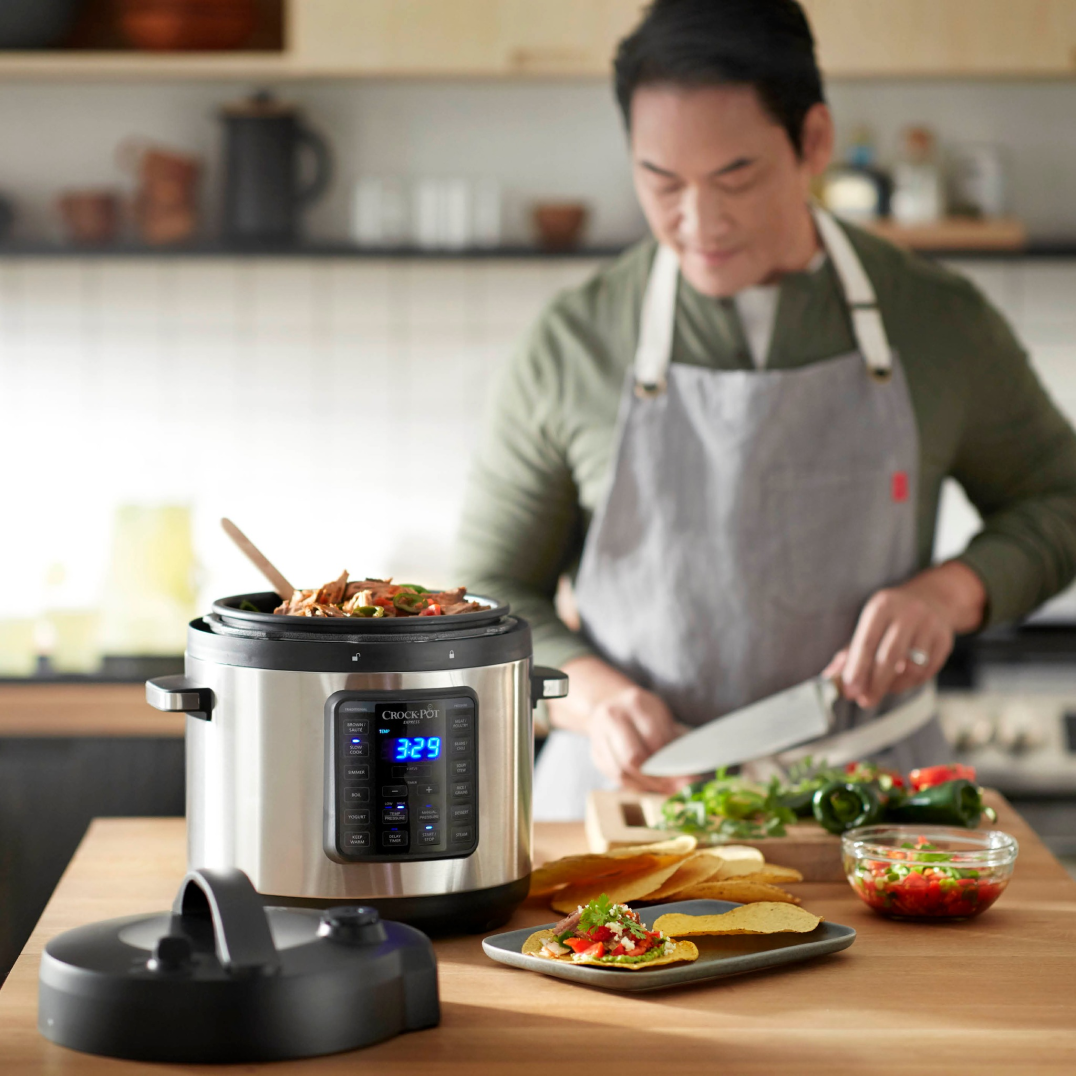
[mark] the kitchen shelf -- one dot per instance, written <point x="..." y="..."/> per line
<point x="956" y="233"/>
<point x="1034" y="248"/>
<point x="302" y="250"/>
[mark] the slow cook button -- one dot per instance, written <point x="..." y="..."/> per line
<point x="357" y="748"/>
<point x="394" y="838"/>
<point x="356" y="794"/>
<point x="356" y="818"/>
<point x="461" y="790"/>
<point x="460" y="814"/>
<point x="356" y="840"/>
<point x="462" y="723"/>
<point x="461" y="835"/>
<point x="461" y="745"/>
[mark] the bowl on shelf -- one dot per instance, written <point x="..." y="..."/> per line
<point x="187" y="25"/>
<point x="559" y="225"/>
<point x="35" y="24"/>
<point x="928" y="872"/>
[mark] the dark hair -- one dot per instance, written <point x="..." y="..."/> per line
<point x="766" y="44"/>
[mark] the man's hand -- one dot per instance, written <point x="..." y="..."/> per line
<point x="920" y="617"/>
<point x="625" y="723"/>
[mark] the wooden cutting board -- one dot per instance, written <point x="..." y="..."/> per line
<point x="616" y="819"/>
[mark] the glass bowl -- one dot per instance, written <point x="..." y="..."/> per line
<point x="928" y="872"/>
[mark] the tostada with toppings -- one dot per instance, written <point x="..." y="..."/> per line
<point x="608" y="935"/>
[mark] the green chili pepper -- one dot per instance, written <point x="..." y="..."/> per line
<point x="953" y="803"/>
<point x="843" y="805"/>
<point x="408" y="600"/>
<point x="368" y="611"/>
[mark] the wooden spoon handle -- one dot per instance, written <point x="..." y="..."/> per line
<point x="258" y="559"/>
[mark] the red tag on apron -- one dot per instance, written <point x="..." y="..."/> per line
<point x="900" y="486"/>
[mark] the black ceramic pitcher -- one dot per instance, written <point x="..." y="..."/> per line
<point x="263" y="188"/>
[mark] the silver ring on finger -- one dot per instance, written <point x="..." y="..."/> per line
<point x="918" y="657"/>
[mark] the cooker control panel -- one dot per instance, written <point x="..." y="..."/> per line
<point x="403" y="775"/>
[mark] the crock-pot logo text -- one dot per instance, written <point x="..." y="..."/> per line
<point x="408" y="715"/>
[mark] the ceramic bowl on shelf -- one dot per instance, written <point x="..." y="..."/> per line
<point x="928" y="872"/>
<point x="559" y="225"/>
<point x="181" y="25"/>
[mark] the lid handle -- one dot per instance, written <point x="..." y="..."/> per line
<point x="241" y="936"/>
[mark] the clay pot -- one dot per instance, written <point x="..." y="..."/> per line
<point x="90" y="217"/>
<point x="559" y="225"/>
<point x="166" y="203"/>
<point x="187" y="25"/>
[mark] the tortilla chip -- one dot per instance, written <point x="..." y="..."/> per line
<point x="763" y="918"/>
<point x="683" y="950"/>
<point x="763" y="872"/>
<point x="739" y="890"/>
<point x="695" y="869"/>
<point x="620" y="890"/>
<point x="734" y="852"/>
<point x="633" y="859"/>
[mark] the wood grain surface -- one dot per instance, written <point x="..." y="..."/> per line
<point x="992" y="995"/>
<point x="83" y="710"/>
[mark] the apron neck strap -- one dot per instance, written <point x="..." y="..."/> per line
<point x="658" y="318"/>
<point x="862" y="303"/>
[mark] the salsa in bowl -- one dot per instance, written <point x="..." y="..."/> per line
<point x="928" y="872"/>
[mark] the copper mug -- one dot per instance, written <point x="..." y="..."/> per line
<point x="90" y="217"/>
<point x="166" y="202"/>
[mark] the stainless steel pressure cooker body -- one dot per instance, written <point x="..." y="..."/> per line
<point x="382" y="761"/>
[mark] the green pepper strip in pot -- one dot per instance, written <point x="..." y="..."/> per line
<point x="954" y="803"/>
<point x="844" y="805"/>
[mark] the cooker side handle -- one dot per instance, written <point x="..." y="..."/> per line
<point x="547" y="683"/>
<point x="174" y="694"/>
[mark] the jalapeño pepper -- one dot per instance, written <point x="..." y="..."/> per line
<point x="844" y="805"/>
<point x="954" y="803"/>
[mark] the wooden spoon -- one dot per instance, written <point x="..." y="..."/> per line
<point x="258" y="559"/>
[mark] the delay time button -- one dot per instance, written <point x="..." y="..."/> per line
<point x="395" y="838"/>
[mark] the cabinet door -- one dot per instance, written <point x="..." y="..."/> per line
<point x="458" y="37"/>
<point x="944" y="37"/>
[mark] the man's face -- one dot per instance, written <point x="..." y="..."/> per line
<point x="720" y="182"/>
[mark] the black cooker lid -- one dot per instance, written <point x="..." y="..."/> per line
<point x="223" y="979"/>
<point x="230" y="613"/>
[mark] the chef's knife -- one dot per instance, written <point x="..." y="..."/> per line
<point x="791" y="717"/>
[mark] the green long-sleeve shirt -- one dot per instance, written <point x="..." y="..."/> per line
<point x="983" y="418"/>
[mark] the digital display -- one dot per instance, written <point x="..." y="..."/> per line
<point x="414" y="748"/>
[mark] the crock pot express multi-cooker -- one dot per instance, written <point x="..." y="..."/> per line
<point x="386" y="761"/>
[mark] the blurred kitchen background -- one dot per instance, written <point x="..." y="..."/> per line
<point x="264" y="258"/>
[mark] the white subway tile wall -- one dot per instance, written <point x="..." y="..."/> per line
<point x="329" y="407"/>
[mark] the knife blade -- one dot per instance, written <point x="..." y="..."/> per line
<point x="790" y="717"/>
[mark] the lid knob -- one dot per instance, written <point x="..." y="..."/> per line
<point x="173" y="952"/>
<point x="352" y="924"/>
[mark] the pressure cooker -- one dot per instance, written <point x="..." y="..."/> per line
<point x="384" y="761"/>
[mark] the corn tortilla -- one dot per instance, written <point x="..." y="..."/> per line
<point x="682" y="951"/>
<point x="761" y="918"/>
<point x="695" y="869"/>
<point x="632" y="859"/>
<point x="739" y="890"/>
<point x="620" y="890"/>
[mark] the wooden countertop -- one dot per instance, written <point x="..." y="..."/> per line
<point x="84" y="709"/>
<point x="992" y="995"/>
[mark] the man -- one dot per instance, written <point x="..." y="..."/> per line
<point x="791" y="394"/>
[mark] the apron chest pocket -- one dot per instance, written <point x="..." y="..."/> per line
<point x="840" y="538"/>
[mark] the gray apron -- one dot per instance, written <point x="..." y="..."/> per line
<point x="749" y="517"/>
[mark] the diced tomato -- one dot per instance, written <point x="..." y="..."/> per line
<point x="929" y="776"/>
<point x="578" y="945"/>
<point x="599" y="934"/>
<point x="596" y="950"/>
<point x="618" y="950"/>
<point x="433" y="609"/>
